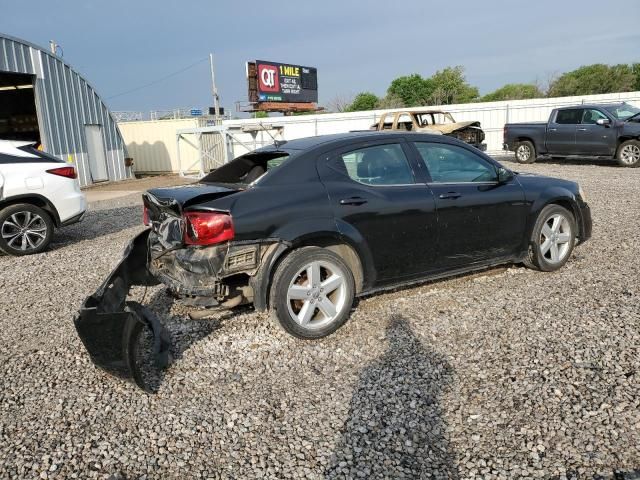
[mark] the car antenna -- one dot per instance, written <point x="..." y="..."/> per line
<point x="277" y="143"/>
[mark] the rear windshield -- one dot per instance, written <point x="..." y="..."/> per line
<point x="247" y="169"/>
<point x="33" y="156"/>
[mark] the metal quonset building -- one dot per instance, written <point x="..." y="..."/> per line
<point x="45" y="100"/>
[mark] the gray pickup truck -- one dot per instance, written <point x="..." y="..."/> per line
<point x="611" y="131"/>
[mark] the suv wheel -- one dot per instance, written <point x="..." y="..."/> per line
<point x="629" y="154"/>
<point x="24" y="229"/>
<point x="525" y="152"/>
<point x="312" y="292"/>
<point x="552" y="240"/>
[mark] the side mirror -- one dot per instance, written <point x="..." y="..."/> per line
<point x="504" y="175"/>
<point x="603" y="121"/>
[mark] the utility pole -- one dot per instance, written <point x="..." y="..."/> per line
<point x="214" y="90"/>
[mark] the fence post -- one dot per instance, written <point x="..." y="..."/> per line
<point x="178" y="154"/>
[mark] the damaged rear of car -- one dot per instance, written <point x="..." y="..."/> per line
<point x="192" y="247"/>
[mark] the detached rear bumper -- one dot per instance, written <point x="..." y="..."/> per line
<point x="110" y="326"/>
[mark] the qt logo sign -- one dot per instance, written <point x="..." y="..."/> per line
<point x="268" y="78"/>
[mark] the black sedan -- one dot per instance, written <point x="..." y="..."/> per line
<point x="303" y="227"/>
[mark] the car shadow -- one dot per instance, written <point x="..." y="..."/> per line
<point x="604" y="162"/>
<point x="395" y="428"/>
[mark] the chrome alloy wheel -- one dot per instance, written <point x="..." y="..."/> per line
<point x="523" y="153"/>
<point x="24" y="231"/>
<point x="555" y="238"/>
<point x="317" y="294"/>
<point x="630" y="154"/>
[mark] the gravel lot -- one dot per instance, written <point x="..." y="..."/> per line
<point x="503" y="374"/>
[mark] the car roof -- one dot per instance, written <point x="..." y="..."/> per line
<point x="11" y="147"/>
<point x="593" y="105"/>
<point x="312" y="142"/>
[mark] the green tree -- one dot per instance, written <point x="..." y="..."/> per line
<point x="391" y="101"/>
<point x="413" y="90"/>
<point x="594" y="79"/>
<point x="450" y="86"/>
<point x="261" y="114"/>
<point x="635" y="68"/>
<point x="513" y="91"/>
<point x="363" y="101"/>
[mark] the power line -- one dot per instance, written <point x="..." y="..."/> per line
<point x="162" y="79"/>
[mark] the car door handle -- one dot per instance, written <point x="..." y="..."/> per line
<point x="450" y="195"/>
<point x="353" y="201"/>
<point x="553" y="129"/>
<point x="582" y="129"/>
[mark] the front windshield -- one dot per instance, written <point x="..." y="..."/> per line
<point x="622" y="112"/>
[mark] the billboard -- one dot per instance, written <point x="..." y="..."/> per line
<point x="281" y="82"/>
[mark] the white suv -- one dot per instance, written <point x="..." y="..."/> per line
<point x="37" y="193"/>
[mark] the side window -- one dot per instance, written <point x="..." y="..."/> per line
<point x="591" y="116"/>
<point x="453" y="164"/>
<point x="569" y="117"/>
<point x="379" y="165"/>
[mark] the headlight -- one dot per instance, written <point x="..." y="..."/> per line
<point x="581" y="192"/>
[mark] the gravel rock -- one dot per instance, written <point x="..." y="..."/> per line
<point x="502" y="374"/>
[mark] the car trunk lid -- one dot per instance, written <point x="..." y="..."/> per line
<point x="164" y="207"/>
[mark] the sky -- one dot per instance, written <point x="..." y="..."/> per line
<point x="120" y="45"/>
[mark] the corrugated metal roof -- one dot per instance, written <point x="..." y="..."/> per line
<point x="65" y="103"/>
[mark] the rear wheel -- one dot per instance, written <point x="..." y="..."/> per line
<point x="552" y="239"/>
<point x="525" y="152"/>
<point x="24" y="229"/>
<point x="628" y="154"/>
<point x="312" y="292"/>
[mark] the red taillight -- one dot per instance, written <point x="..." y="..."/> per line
<point x="207" y="228"/>
<point x="69" y="172"/>
<point x="504" y="134"/>
<point x="145" y="216"/>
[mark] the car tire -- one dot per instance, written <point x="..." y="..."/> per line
<point x="552" y="239"/>
<point x="24" y="229"/>
<point x="312" y="293"/>
<point x="525" y="152"/>
<point x="628" y="154"/>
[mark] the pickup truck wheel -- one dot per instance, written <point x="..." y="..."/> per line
<point x="312" y="293"/>
<point x="525" y="152"/>
<point x="629" y="154"/>
<point x="552" y="239"/>
<point x="24" y="229"/>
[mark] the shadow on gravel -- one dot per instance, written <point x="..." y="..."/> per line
<point x="98" y="223"/>
<point x="395" y="427"/>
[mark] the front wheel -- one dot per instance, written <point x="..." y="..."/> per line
<point x="628" y="154"/>
<point x="525" y="152"/>
<point x="552" y="239"/>
<point x="24" y="229"/>
<point x="312" y="292"/>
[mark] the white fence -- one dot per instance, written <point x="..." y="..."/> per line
<point x="492" y="116"/>
<point x="153" y="144"/>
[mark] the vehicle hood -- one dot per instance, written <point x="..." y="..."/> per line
<point x="535" y="180"/>
<point x="452" y="127"/>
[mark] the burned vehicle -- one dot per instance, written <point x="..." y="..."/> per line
<point x="303" y="227"/>
<point x="433" y="121"/>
